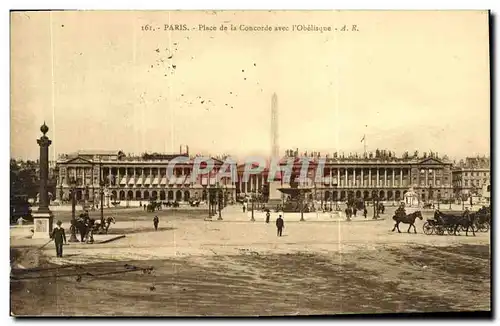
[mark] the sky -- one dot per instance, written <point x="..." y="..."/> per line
<point x="407" y="80"/>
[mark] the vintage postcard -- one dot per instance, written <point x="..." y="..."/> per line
<point x="249" y="163"/>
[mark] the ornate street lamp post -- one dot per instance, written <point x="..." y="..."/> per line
<point x="219" y="201"/>
<point x="375" y="204"/>
<point x="73" y="237"/>
<point x="209" y="202"/>
<point x="252" y="199"/>
<point x="43" y="217"/>
<point x="101" y="193"/>
<point x="302" y="195"/>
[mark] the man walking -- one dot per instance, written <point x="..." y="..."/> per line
<point x="268" y="216"/>
<point x="58" y="236"/>
<point x="155" y="222"/>
<point x="280" y="224"/>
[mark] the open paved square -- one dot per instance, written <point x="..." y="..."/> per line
<point x="238" y="267"/>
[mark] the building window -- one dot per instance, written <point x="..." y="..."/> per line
<point x="438" y="182"/>
<point x="466" y="183"/>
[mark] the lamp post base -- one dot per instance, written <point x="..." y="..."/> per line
<point x="42" y="225"/>
<point x="73" y="238"/>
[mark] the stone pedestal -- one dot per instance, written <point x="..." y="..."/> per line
<point x="274" y="193"/>
<point x="43" y="223"/>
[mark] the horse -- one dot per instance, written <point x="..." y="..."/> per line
<point x="81" y="227"/>
<point x="108" y="222"/>
<point x="407" y="219"/>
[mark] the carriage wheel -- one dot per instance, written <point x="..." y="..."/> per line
<point x="427" y="228"/>
<point x="483" y="227"/>
<point x="439" y="230"/>
<point x="451" y="229"/>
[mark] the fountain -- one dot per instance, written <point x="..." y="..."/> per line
<point x="296" y="200"/>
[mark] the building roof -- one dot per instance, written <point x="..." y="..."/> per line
<point x="96" y="152"/>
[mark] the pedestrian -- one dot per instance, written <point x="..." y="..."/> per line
<point x="20" y="221"/>
<point x="59" y="237"/>
<point x="155" y="222"/>
<point x="280" y="224"/>
<point x="365" y="211"/>
<point x="244" y="206"/>
<point x="354" y="210"/>
<point x="268" y="216"/>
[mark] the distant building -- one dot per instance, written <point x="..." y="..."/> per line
<point x="362" y="177"/>
<point x="132" y="178"/>
<point x="471" y="176"/>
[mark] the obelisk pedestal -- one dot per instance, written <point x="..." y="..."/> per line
<point x="43" y="217"/>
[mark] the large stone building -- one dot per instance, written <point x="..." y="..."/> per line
<point x="126" y="178"/>
<point x="471" y="176"/>
<point x="389" y="177"/>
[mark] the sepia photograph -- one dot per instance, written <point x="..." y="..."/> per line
<point x="250" y="163"/>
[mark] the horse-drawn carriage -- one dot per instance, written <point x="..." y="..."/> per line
<point x="194" y="203"/>
<point x="87" y="227"/>
<point x="483" y="219"/>
<point x="427" y="206"/>
<point x="451" y="222"/>
<point x="153" y="206"/>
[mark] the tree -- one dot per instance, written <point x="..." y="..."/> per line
<point x="23" y="178"/>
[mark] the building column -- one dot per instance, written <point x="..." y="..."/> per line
<point x="385" y="177"/>
<point x="331" y="175"/>
<point x="338" y="177"/>
<point x="109" y="175"/>
<point x="401" y="178"/>
<point x="346" y="178"/>
<point x="378" y="177"/>
<point x="426" y="177"/>
<point x="433" y="177"/>
<point x="393" y="177"/>
<point x="118" y="177"/>
<point x="83" y="176"/>
<point x="362" y="178"/>
<point x="370" y="177"/>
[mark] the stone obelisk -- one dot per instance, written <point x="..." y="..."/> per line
<point x="275" y="196"/>
<point x="43" y="217"/>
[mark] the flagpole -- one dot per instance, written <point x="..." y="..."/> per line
<point x="364" y="142"/>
